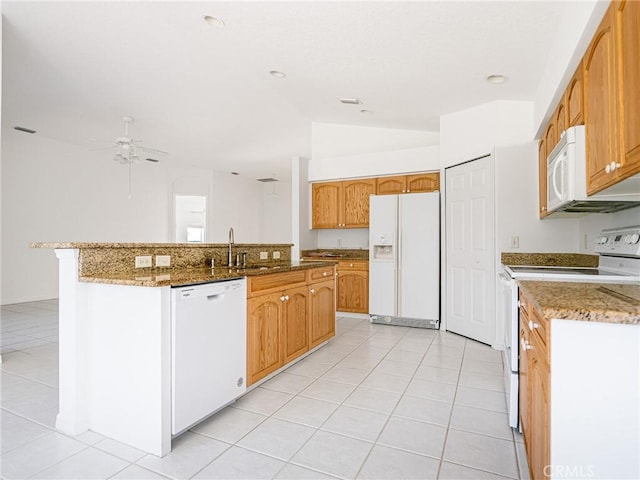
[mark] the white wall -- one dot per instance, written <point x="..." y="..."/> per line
<point x="53" y="191"/>
<point x="474" y="132"/>
<point x="375" y="164"/>
<point x="517" y="206"/>
<point x="329" y="140"/>
<point x="344" y="238"/>
<point x="303" y="238"/>
<point x="276" y="213"/>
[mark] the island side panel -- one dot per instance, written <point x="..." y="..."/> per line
<point x="72" y="311"/>
<point x="595" y="399"/>
<point x="129" y="384"/>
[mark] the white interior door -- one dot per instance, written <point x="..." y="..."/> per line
<point x="470" y="256"/>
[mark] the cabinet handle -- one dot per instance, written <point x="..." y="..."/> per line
<point x="286" y="297"/>
<point x="533" y="325"/>
<point x="607" y="169"/>
<point x="525" y="344"/>
<point x="312" y="291"/>
<point x="282" y="299"/>
<point x="351" y="264"/>
<point x="544" y="209"/>
<point x="324" y="274"/>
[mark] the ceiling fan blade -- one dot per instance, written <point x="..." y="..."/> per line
<point x="152" y="150"/>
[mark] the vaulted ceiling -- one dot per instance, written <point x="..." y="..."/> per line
<point x="71" y="70"/>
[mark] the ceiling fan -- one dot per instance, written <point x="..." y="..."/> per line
<point x="128" y="150"/>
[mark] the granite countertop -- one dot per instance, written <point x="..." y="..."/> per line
<point x="592" y="302"/>
<point x="550" y="259"/>
<point x="336" y="254"/>
<point x="176" y="277"/>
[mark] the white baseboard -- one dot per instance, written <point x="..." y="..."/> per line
<point x="362" y="316"/>
<point x="12" y="301"/>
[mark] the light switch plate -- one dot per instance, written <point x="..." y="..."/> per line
<point x="515" y="241"/>
<point x="143" y="261"/>
<point x="264" y="255"/>
<point x="163" y="260"/>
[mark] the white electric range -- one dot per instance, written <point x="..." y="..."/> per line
<point x="619" y="262"/>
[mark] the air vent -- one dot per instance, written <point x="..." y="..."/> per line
<point x="349" y="101"/>
<point x="23" y="129"/>
<point x="267" y="180"/>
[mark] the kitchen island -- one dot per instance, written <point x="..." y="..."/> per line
<point x="115" y="330"/>
<point x="580" y="378"/>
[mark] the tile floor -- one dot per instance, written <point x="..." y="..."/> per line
<point x="377" y="402"/>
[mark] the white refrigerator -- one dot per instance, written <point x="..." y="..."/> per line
<point x="404" y="259"/>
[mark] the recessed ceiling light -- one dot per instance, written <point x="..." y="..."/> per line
<point x="496" y="79"/>
<point x="277" y="74"/>
<point x="214" y="21"/>
<point x="349" y="101"/>
<point x="24" y="129"/>
<point x="366" y="112"/>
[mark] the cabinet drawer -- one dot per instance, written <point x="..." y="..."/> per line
<point x="269" y="283"/>
<point x="359" y="265"/>
<point x="321" y="274"/>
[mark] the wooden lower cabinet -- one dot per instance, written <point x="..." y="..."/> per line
<point x="295" y="314"/>
<point x="534" y="389"/>
<point x="353" y="286"/>
<point x="322" y="312"/>
<point x="264" y="327"/>
<point x="287" y="314"/>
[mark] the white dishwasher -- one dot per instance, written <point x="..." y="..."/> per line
<point x="208" y="349"/>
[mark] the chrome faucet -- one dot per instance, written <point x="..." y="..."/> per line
<point x="231" y="242"/>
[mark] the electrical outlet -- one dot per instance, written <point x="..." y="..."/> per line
<point x="515" y="241"/>
<point x="264" y="255"/>
<point x="143" y="261"/>
<point x="276" y="255"/>
<point x="163" y="260"/>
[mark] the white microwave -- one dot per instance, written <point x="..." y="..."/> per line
<point x="567" y="181"/>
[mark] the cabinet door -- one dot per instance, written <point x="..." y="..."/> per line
<point x="628" y="33"/>
<point x="574" y="99"/>
<point x="424" y="182"/>
<point x="264" y="349"/>
<point x="294" y="323"/>
<point x="560" y="119"/>
<point x="353" y="291"/>
<point x="356" y="202"/>
<point x="322" y="312"/>
<point x="539" y="428"/>
<point x="326" y="204"/>
<point x="542" y="178"/>
<point x="391" y="185"/>
<point x="600" y="106"/>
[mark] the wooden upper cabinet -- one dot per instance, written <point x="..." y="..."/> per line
<point x="627" y="25"/>
<point x="550" y="137"/>
<point x="560" y="119"/>
<point x="326" y="204"/>
<point x="391" y="185"/>
<point x="600" y="105"/>
<point x="574" y="99"/>
<point x="356" y="202"/>
<point x="542" y="178"/>
<point x="423" y="182"/>
<point x="417" y="183"/>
